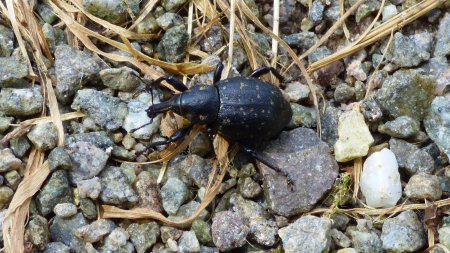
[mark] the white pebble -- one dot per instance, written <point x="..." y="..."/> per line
<point x="380" y="179"/>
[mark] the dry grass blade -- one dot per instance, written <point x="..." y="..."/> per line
<point x="232" y="19"/>
<point x="435" y="246"/>
<point x="143" y="13"/>
<point x="344" y="26"/>
<point x="25" y="125"/>
<point x="293" y="55"/>
<point x="395" y="23"/>
<point x="357" y="169"/>
<point x="276" y="26"/>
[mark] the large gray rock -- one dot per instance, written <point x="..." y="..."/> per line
<point x="174" y="193"/>
<point x="88" y="161"/>
<point x="63" y="230"/>
<point x="143" y="235"/>
<point x="410" y="158"/>
<point x="116" y="188"/>
<point x="173" y="44"/>
<point x="106" y="111"/>
<point x="21" y="102"/>
<point x="442" y="47"/>
<point x="403" y="233"/>
<point x="308" y="234"/>
<point x="11" y="70"/>
<point x="6" y="41"/>
<point x="303" y="156"/>
<point x="73" y="69"/>
<point x="114" y="11"/>
<point x="229" y="230"/>
<point x="410" y="51"/>
<point x="437" y="123"/>
<point x="56" y="190"/>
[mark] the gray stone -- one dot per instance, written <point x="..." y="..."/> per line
<point x="412" y="50"/>
<point x="63" y="230"/>
<point x="302" y="116"/>
<point x="196" y="169"/>
<point x="169" y="20"/>
<point x="371" y="110"/>
<point x="249" y="188"/>
<point x="437" y="123"/>
<point x="444" y="235"/>
<point x="329" y="122"/>
<point x="65" y="210"/>
<point x="56" y="190"/>
<point x="201" y="145"/>
<point x="6" y="195"/>
<point x="296" y="91"/>
<point x="114" y="11"/>
<point x="116" y="189"/>
<point x="21" y="102"/>
<point x="407" y="93"/>
<point x="229" y="230"/>
<point x="172" y="46"/>
<point x="302" y="155"/>
<point x="13" y="179"/>
<point x="213" y="40"/>
<point x="12" y="70"/>
<point x="46" y="12"/>
<point x="316" y="11"/>
<point x="147" y="25"/>
<point x="106" y="111"/>
<point x="138" y="117"/>
<point x="340" y="239"/>
<point x="170" y="232"/>
<point x="302" y="39"/>
<point x="174" y="193"/>
<point x="366" y="241"/>
<point x="366" y="9"/>
<point x="187" y="210"/>
<point x="19" y="146"/>
<point x="149" y="194"/>
<point x="5" y="123"/>
<point x="59" y="159"/>
<point x="6" y="41"/>
<point x="410" y="158"/>
<point x="89" y="188"/>
<point x="389" y="11"/>
<point x="202" y="231"/>
<point x="403" y="233"/>
<point x="423" y="186"/>
<point x="44" y="136"/>
<point x="122" y="79"/>
<point x="188" y="243"/>
<point x="95" y="231"/>
<point x="89" y="208"/>
<point x="37" y="232"/>
<point x="56" y="247"/>
<point x="73" y="69"/>
<point x="318" y="54"/>
<point x="88" y="161"/>
<point x="117" y="242"/>
<point x="172" y="5"/>
<point x="401" y="127"/>
<point x="205" y="249"/>
<point x="8" y="161"/>
<point x="143" y="235"/>
<point x="54" y="36"/>
<point x="343" y="93"/>
<point x="307" y="234"/>
<point x="442" y="47"/>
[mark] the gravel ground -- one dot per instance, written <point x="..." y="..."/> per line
<point x="398" y="132"/>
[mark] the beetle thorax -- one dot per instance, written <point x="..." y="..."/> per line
<point x="200" y="104"/>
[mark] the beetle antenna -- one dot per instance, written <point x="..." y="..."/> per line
<point x="137" y="128"/>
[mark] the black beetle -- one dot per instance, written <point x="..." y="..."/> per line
<point x="245" y="110"/>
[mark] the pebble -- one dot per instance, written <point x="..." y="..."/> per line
<point x="329" y="75"/>
<point x="343" y="92"/>
<point x="380" y="179"/>
<point x="89" y="208"/>
<point x="302" y="116"/>
<point x="148" y="191"/>
<point x="169" y="20"/>
<point x="318" y="54"/>
<point x="410" y="51"/>
<point x="400" y="127"/>
<point x="143" y="235"/>
<point x="19" y="146"/>
<point x="302" y="39"/>
<point x="106" y="111"/>
<point x="213" y="41"/>
<point x="170" y="233"/>
<point x="21" y="102"/>
<point x="8" y="161"/>
<point x="410" y="158"/>
<point x="202" y="230"/>
<point x="229" y="230"/>
<point x="6" y="41"/>
<point x="406" y="93"/>
<point x="366" y="9"/>
<point x="444" y="235"/>
<point x="356" y="69"/>
<point x="56" y="247"/>
<point x="302" y="155"/>
<point x="371" y="110"/>
<point x="95" y="231"/>
<point x="442" y="47"/>
<point x="73" y="69"/>
<point x="5" y="123"/>
<point x="296" y="91"/>
<point x="116" y="241"/>
<point x="63" y="230"/>
<point x="329" y="122"/>
<point x="6" y="195"/>
<point x="187" y="210"/>
<point x="13" y="179"/>
<point x="437" y="123"/>
<point x="65" y="210"/>
<point x="88" y="161"/>
<point x="56" y="190"/>
<point x="316" y="11"/>
<point x="46" y="12"/>
<point x="347" y="250"/>
<point x="172" y="46"/>
<point x="403" y="233"/>
<point x="172" y="5"/>
<point x="424" y="186"/>
<point x="389" y="11"/>
<point x="138" y="117"/>
<point x="196" y="169"/>
<point x="307" y="234"/>
<point x="12" y="70"/>
<point x="122" y="79"/>
<point x="89" y="188"/>
<point x="366" y="241"/>
<point x="113" y="11"/>
<point x="249" y="188"/>
<point x="354" y="137"/>
<point x="174" y="193"/>
<point x="148" y="25"/>
<point x="116" y="188"/>
<point x="59" y="158"/>
<point x="44" y="136"/>
<point x="188" y="243"/>
<point x="340" y="239"/>
<point x="37" y="232"/>
<point x="201" y="145"/>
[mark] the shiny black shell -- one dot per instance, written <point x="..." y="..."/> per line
<point x="250" y="110"/>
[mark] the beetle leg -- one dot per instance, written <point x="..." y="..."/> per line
<point x="180" y="133"/>
<point x="266" y="162"/>
<point x="218" y="73"/>
<point x="176" y="83"/>
<point x="264" y="70"/>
